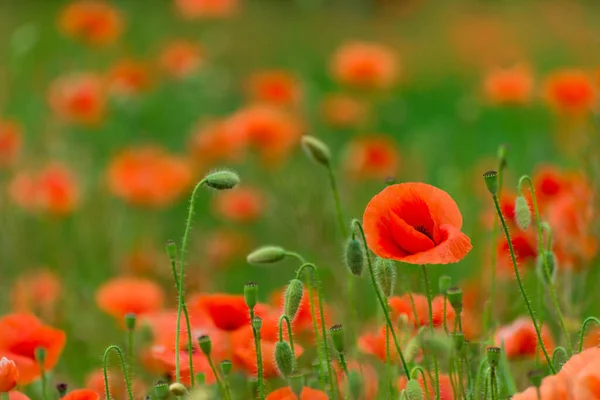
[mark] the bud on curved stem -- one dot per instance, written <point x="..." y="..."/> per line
<point x="266" y="255"/>
<point x="316" y="150"/>
<point x="222" y="180"/>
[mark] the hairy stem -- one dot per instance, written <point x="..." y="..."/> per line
<point x="117" y="350"/>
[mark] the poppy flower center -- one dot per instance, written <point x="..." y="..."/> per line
<point x="425" y="232"/>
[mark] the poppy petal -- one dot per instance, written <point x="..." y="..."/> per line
<point x="453" y="248"/>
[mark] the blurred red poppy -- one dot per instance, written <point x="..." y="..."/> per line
<point x="213" y="142"/>
<point x="512" y="85"/>
<point x="197" y="9"/>
<point x="9" y="375"/>
<point x="10" y="142"/>
<point x="520" y="339"/>
<point x="285" y="393"/>
<point x="129" y="77"/>
<point x="36" y="292"/>
<point x="446" y="390"/>
<point x="365" y="65"/>
<point x="82" y="394"/>
<point x="371" y="157"/>
<point x="92" y="21"/>
<point x="78" y="98"/>
<point x="343" y="111"/>
<point x="243" y="204"/>
<point x="570" y="91"/>
<point x="121" y="296"/>
<point x="278" y="87"/>
<point x="181" y="58"/>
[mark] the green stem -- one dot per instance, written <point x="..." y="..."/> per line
<point x="430" y="306"/>
<point x="345" y="369"/>
<point x="388" y="360"/>
<point x="338" y="203"/>
<point x="461" y="382"/>
<point x="445" y="323"/>
<point x="217" y="376"/>
<point x="123" y="368"/>
<point x="493" y="383"/>
<point x="413" y="375"/>
<point x="557" y="350"/>
<point x="520" y="283"/>
<point x="509" y="382"/>
<point x="586" y="322"/>
<point x="322" y="312"/>
<point x="4" y="396"/>
<point x="44" y="379"/>
<point x="289" y="329"/>
<point x="130" y="349"/>
<point x="227" y="388"/>
<point x="257" y="345"/>
<point x="546" y="268"/>
<point x="180" y="302"/>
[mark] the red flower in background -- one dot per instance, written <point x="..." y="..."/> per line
<point x="245" y="355"/>
<point x="343" y="111"/>
<point x="181" y="58"/>
<point x="21" y="335"/>
<point x="243" y="204"/>
<point x="92" y="21"/>
<point x="520" y="339"/>
<point x="94" y="381"/>
<point x="78" y="98"/>
<point x="36" y="291"/>
<point x="512" y="85"/>
<point x="214" y="142"/>
<point x="369" y="380"/>
<point x="9" y="375"/>
<point x="10" y="142"/>
<point x="278" y="87"/>
<point x="129" y="77"/>
<point x="374" y="343"/>
<point x="14" y="395"/>
<point x="524" y="246"/>
<point x="224" y="246"/>
<point x="121" y="296"/>
<point x="570" y="91"/>
<point x="148" y="176"/>
<point x="402" y="305"/>
<point x="227" y="312"/>
<point x="415" y="223"/>
<point x="82" y="394"/>
<point x="197" y="9"/>
<point x="285" y="393"/>
<point x="371" y="157"/>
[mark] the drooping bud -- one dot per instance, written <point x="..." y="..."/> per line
<point x="316" y="150"/>
<point x="40" y="355"/>
<point x="413" y="390"/>
<point x="535" y="377"/>
<point x="493" y="356"/>
<point x="257" y="323"/>
<point x="522" y="213"/>
<point x="205" y="344"/>
<point x="445" y="282"/>
<point x="130" y="320"/>
<point x="491" y="181"/>
<point x="161" y="390"/>
<point x="226" y="366"/>
<point x="171" y="250"/>
<point x="284" y="358"/>
<point x="455" y="296"/>
<point x="266" y="255"/>
<point x="546" y="267"/>
<point x="354" y="257"/>
<point x="177" y="389"/>
<point x="222" y="180"/>
<point x="296" y="383"/>
<point x="62" y="388"/>
<point x="502" y="155"/>
<point x="293" y="298"/>
<point x="337" y="337"/>
<point x="251" y="294"/>
<point x="385" y="276"/>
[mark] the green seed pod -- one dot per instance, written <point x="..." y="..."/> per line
<point x="205" y="344"/>
<point x="385" y="276"/>
<point x="316" y="150"/>
<point x="161" y="390"/>
<point x="171" y="250"/>
<point x="266" y="255"/>
<point x="251" y="294"/>
<point x="130" y="320"/>
<point x="522" y="213"/>
<point x="293" y="298"/>
<point x="354" y="257"/>
<point x="491" y="181"/>
<point x="62" y="388"/>
<point x="413" y="390"/>
<point x="177" y="389"/>
<point x="337" y="337"/>
<point x="284" y="358"/>
<point x="222" y="180"/>
<point x="546" y="259"/>
<point x="226" y="366"/>
<point x="493" y="356"/>
<point x="257" y="323"/>
<point x="445" y="282"/>
<point x="455" y="296"/>
<point x="296" y="383"/>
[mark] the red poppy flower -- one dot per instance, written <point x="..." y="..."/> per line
<point x="228" y="312"/>
<point x="374" y="343"/>
<point x="342" y="111"/>
<point x="371" y="157"/>
<point x="224" y="246"/>
<point x="278" y="87"/>
<point x="415" y="223"/>
<point x="36" y="291"/>
<point x="446" y="391"/>
<point x="15" y="395"/>
<point x="553" y="387"/>
<point x="82" y="394"/>
<point x="520" y="339"/>
<point x="10" y="142"/>
<point x="181" y="59"/>
<point x="571" y="91"/>
<point x="9" y="375"/>
<point x="121" y="296"/>
<point x="285" y="393"/>
<point x="369" y="379"/>
<point x="244" y="204"/>
<point x="78" y="98"/>
<point x="524" y="246"/>
<point x="402" y="305"/>
<point x="197" y="9"/>
<point x="129" y="77"/>
<point x="509" y="86"/>
<point x="21" y="335"/>
<point x="94" y="22"/>
<point x="164" y="353"/>
<point x="213" y="142"/>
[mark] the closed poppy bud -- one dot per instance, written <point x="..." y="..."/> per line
<point x="455" y="296"/>
<point x="40" y="355"/>
<point x="284" y="358"/>
<point x="445" y="282"/>
<point x="130" y="319"/>
<point x="9" y="375"/>
<point x="257" y="323"/>
<point x="491" y="181"/>
<point x="251" y="294"/>
<point x="337" y="337"/>
<point x="413" y="348"/>
<point x="61" y="388"/>
<point x="502" y="155"/>
<point x="522" y="213"/>
<point x="413" y="390"/>
<point x="177" y="389"/>
<point x="293" y="298"/>
<point x="222" y="180"/>
<point x="205" y="344"/>
<point x="546" y="260"/>
<point x="493" y="356"/>
<point x="171" y="250"/>
<point x="354" y="257"/>
<point x="316" y="150"/>
<point x="535" y="377"/>
<point x="296" y="383"/>
<point x="226" y="366"/>
<point x="385" y="276"/>
<point x="161" y="390"/>
<point x="266" y="255"/>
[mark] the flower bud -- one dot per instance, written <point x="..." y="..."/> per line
<point x="502" y="155"/>
<point x="546" y="259"/>
<point x="171" y="250"/>
<point x="522" y="213"/>
<point x="390" y="180"/>
<point x="161" y="390"/>
<point x="293" y="298"/>
<point x="296" y="383"/>
<point x="222" y="180"/>
<point x="535" y="377"/>
<point x="251" y="294"/>
<point x="493" y="356"/>
<point x="354" y="257"/>
<point x="257" y="323"/>
<point x="130" y="320"/>
<point x="316" y="150"/>
<point x="226" y="367"/>
<point x="491" y="181"/>
<point x="385" y="276"/>
<point x="266" y="255"/>
<point x="413" y="390"/>
<point x="177" y="389"/>
<point x="62" y="388"/>
<point x="284" y="358"/>
<point x="337" y="337"/>
<point x="445" y="282"/>
<point x="40" y="355"/>
<point x="455" y="296"/>
<point x="205" y="345"/>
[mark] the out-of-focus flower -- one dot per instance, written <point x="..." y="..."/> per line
<point x="369" y="379"/>
<point x="148" y="176"/>
<point x="197" y="9"/>
<point x="181" y="58"/>
<point x="94" y="22"/>
<point x="9" y="375"/>
<point x="278" y="87"/>
<point x="446" y="391"/>
<point x="365" y="65"/>
<point x="244" y="204"/>
<point x="520" y="339"/>
<point x="213" y="142"/>
<point x="402" y="305"/>
<point x="15" y="395"/>
<point x="371" y="157"/>
<point x="10" y="142"/>
<point x="285" y="393"/>
<point x="82" y="394"/>
<point x="512" y="85"/>
<point x="570" y="91"/>
<point x="52" y="190"/>
<point x="525" y="249"/>
<point x="343" y="111"/>
<point x="121" y="296"/>
<point x="78" y="98"/>
<point x="165" y="354"/>
<point x="374" y="343"/>
<point x="273" y="132"/>
<point x="21" y="335"/>
<point x="129" y="77"/>
<point x="36" y="292"/>
<point x="223" y="246"/>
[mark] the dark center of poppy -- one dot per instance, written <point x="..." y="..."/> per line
<point x="424" y="231"/>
